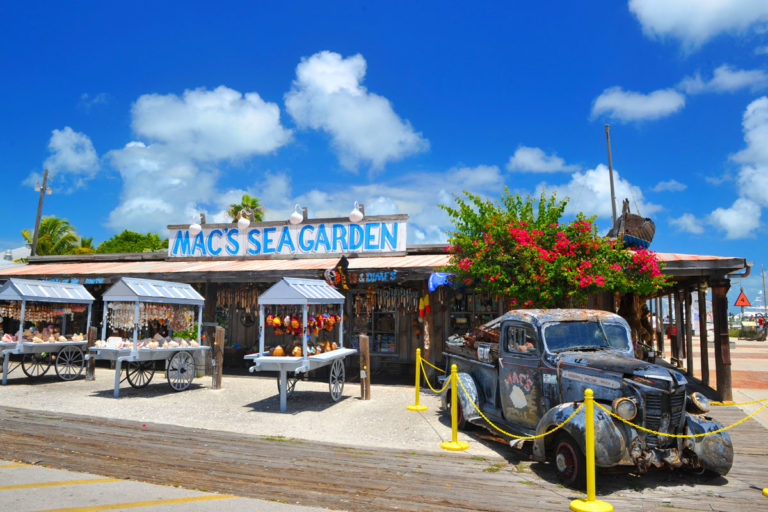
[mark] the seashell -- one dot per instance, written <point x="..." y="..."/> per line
<point x="296" y="352"/>
<point x="277" y="351"/>
<point x="173" y="344"/>
<point x="194" y="343"/>
<point x="334" y="346"/>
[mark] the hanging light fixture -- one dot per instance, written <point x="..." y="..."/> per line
<point x="243" y="222"/>
<point x="195" y="228"/>
<point x="296" y="217"/>
<point x="356" y="215"/>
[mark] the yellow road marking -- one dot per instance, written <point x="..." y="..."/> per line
<point x="14" y="466"/>
<point x="58" y="484"/>
<point x="135" y="504"/>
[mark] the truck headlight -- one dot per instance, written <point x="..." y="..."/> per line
<point x="698" y="403"/>
<point x="625" y="408"/>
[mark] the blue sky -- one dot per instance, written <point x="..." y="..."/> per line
<point x="151" y="111"/>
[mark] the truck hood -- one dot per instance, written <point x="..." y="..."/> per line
<point x="619" y="363"/>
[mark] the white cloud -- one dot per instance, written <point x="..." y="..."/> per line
<point x="87" y="101"/>
<point x="669" y="186"/>
<point x="73" y="161"/>
<point x="689" y="223"/>
<point x="742" y="218"/>
<point x="738" y="221"/>
<point x="174" y="177"/>
<point x="726" y="79"/>
<point x="416" y="194"/>
<point x="694" y="22"/>
<point x="530" y="159"/>
<point x="590" y="192"/>
<point x="628" y="106"/>
<point x="211" y="125"/>
<point x="327" y="95"/>
<point x="159" y="187"/>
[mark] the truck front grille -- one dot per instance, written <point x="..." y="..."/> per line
<point x="664" y="413"/>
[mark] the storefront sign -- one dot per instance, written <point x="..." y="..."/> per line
<point x="220" y="240"/>
<point x="340" y="277"/>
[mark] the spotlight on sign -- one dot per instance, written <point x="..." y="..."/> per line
<point x="195" y="228"/>
<point x="243" y="222"/>
<point x="296" y="217"/>
<point x="356" y="215"/>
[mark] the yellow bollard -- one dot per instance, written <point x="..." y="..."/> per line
<point x="590" y="504"/>
<point x="454" y="444"/>
<point x="416" y="406"/>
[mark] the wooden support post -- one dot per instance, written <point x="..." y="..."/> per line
<point x="676" y="352"/>
<point x="688" y="332"/>
<point x="365" y="367"/>
<point x="660" y="328"/>
<point x="217" y="357"/>
<point x="722" y="340"/>
<point x="209" y="317"/>
<point x="90" y="368"/>
<point x="703" y="333"/>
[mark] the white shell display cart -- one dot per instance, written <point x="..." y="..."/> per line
<point x="67" y="357"/>
<point x="179" y="361"/>
<point x="304" y="293"/>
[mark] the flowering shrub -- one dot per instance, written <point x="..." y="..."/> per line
<point x="535" y="261"/>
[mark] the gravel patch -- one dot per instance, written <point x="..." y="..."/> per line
<point x="251" y="405"/>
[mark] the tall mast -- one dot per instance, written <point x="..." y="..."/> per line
<point x="610" y="171"/>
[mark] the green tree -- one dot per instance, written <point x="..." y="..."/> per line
<point x="247" y="202"/>
<point x="130" y="241"/>
<point x="55" y="236"/>
<point x="518" y="249"/>
<point x="84" y="246"/>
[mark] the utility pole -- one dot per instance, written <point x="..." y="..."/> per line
<point x="610" y="171"/>
<point x="43" y="191"/>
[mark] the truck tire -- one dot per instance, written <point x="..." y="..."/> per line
<point x="461" y="421"/>
<point x="569" y="462"/>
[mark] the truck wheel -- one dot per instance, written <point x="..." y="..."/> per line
<point x="570" y="464"/>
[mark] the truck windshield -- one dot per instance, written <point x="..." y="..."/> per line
<point x="561" y="336"/>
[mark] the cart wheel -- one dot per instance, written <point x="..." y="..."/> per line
<point x="291" y="385"/>
<point x="181" y="371"/>
<point x="35" y="366"/>
<point x="69" y="363"/>
<point x="140" y="373"/>
<point x="337" y="380"/>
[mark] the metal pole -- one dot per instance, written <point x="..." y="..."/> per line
<point x="39" y="212"/>
<point x="416" y="406"/>
<point x="610" y="171"/>
<point x="765" y="299"/>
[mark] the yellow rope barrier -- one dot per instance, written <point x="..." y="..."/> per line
<point x="513" y="435"/>
<point x="447" y="381"/>
<point x="682" y="436"/>
<point x="741" y="403"/>
<point x="433" y="366"/>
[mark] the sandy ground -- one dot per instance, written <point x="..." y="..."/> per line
<point x="250" y="405"/>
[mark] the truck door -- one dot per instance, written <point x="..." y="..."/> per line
<point x="519" y="375"/>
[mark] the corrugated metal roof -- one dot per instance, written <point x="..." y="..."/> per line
<point x="45" y="291"/>
<point x="170" y="267"/>
<point x="149" y="290"/>
<point x="301" y="291"/>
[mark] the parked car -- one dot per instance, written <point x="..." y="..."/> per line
<point x="528" y="370"/>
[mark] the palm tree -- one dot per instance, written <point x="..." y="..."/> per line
<point x="84" y="246"/>
<point x="55" y="236"/>
<point x="249" y="203"/>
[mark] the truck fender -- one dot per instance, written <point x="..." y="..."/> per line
<point x="715" y="451"/>
<point x="470" y="413"/>
<point x="610" y="445"/>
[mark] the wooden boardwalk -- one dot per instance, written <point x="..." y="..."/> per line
<point x="351" y="478"/>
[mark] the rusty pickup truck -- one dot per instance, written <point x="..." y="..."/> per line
<point x="527" y="372"/>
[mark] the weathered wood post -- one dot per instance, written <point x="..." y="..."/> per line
<point x="90" y="369"/>
<point x="660" y="326"/>
<point x="365" y="367"/>
<point x="703" y="333"/>
<point x="722" y="347"/>
<point x="209" y="318"/>
<point x="676" y="339"/>
<point x="217" y="357"/>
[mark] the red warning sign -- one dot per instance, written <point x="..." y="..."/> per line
<point x="742" y="300"/>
